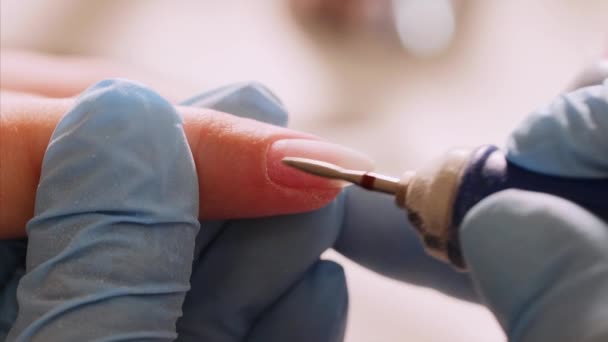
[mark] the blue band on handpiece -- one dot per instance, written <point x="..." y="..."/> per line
<point x="482" y="177"/>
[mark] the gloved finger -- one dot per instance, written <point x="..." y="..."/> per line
<point x="567" y="137"/>
<point x="249" y="265"/>
<point x="111" y="244"/>
<point x="541" y="265"/>
<point x="238" y="162"/>
<point x="377" y="235"/>
<point x="314" y="309"/>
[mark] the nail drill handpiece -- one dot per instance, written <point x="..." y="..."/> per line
<point x="438" y="197"/>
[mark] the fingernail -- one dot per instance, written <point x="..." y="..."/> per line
<point x="284" y="175"/>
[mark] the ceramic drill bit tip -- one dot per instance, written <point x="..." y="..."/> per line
<point x="367" y="180"/>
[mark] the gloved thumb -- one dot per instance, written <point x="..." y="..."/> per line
<point x="541" y="265"/>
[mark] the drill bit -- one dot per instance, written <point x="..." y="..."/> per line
<point x="367" y="180"/>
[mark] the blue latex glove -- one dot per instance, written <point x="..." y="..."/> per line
<point x="541" y="262"/>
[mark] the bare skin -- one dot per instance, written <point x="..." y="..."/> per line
<point x="231" y="152"/>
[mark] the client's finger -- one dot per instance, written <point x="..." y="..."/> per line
<point x="238" y="160"/>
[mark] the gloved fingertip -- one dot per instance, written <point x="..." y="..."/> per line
<point x="123" y="102"/>
<point x="524" y="219"/>
<point x="519" y="245"/>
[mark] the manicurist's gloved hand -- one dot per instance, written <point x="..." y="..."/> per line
<point x="541" y="262"/>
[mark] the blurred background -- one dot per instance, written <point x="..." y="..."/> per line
<point x="397" y="80"/>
